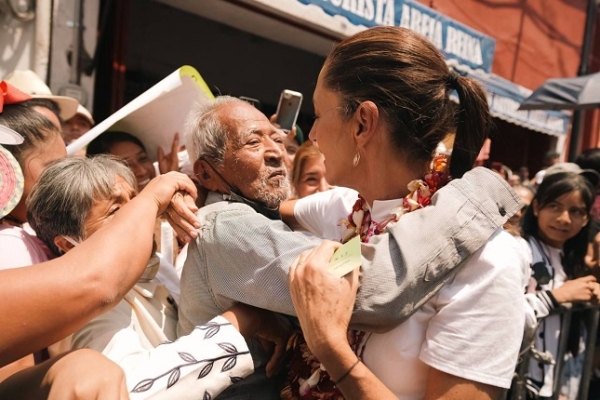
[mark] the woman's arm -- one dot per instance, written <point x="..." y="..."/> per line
<point x="324" y="304"/>
<point x="42" y="304"/>
<point x="443" y="386"/>
<point x="286" y="209"/>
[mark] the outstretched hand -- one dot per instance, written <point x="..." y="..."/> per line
<point x="323" y="302"/>
<point x="174" y="194"/>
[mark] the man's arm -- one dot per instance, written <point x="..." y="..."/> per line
<point x="246" y="256"/>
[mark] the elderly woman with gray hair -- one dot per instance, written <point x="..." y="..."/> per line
<point x="76" y="197"/>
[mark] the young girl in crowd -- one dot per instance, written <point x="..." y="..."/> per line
<point x="556" y="227"/>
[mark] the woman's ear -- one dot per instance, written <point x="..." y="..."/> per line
<point x="63" y="244"/>
<point x="367" y="121"/>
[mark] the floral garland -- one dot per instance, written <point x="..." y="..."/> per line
<point x="421" y="190"/>
<point x="319" y="385"/>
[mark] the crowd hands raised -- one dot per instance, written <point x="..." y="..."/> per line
<point x="256" y="310"/>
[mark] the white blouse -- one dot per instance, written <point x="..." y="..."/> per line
<point x="472" y="328"/>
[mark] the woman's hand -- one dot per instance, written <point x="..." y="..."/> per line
<point x="169" y="162"/>
<point x="174" y="194"/>
<point x="581" y="289"/>
<point x="323" y="302"/>
<point x="86" y="374"/>
<point x="81" y="374"/>
<point x="268" y="326"/>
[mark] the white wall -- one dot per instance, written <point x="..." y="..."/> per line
<point x="62" y="39"/>
<point x="16" y="45"/>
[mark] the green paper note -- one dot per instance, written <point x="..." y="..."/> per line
<point x="346" y="258"/>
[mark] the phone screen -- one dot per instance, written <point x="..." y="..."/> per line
<point x="288" y="109"/>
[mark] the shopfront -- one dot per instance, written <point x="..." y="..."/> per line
<point x="256" y="48"/>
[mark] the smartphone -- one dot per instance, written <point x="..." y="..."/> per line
<point x="288" y="109"/>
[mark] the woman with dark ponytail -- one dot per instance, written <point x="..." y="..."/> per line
<point x="382" y="106"/>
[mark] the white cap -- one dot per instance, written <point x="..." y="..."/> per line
<point x="29" y="82"/>
<point x="81" y="110"/>
<point x="8" y="136"/>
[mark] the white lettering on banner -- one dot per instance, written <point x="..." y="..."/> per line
<point x="363" y="8"/>
<point x="385" y="12"/>
<point x="422" y="23"/>
<point x="366" y="9"/>
<point x="458" y="42"/>
<point x="463" y="45"/>
<point x="369" y="9"/>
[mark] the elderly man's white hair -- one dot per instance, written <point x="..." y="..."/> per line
<point x="205" y="134"/>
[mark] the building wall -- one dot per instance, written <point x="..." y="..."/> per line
<point x="535" y="39"/>
<point x="16" y="45"/>
<point x="62" y="40"/>
<point x="230" y="61"/>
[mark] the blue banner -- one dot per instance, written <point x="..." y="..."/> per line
<point x="455" y="40"/>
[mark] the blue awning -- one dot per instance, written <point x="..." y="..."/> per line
<point x="505" y="97"/>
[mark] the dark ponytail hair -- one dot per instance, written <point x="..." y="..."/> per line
<point x="407" y="78"/>
<point x="473" y="122"/>
<point x="551" y="188"/>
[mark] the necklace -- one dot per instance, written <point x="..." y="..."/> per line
<point x="307" y="379"/>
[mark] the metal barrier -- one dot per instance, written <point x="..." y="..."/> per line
<point x="591" y="314"/>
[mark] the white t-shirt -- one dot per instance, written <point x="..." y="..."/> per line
<point x="472" y="328"/>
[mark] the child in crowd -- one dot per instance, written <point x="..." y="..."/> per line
<point x="556" y="227"/>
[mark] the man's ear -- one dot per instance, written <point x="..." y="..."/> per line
<point x="208" y="178"/>
<point x="63" y="244"/>
<point x="367" y="121"/>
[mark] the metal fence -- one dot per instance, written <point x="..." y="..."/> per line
<point x="591" y="316"/>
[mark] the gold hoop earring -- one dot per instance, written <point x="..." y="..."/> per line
<point x="356" y="159"/>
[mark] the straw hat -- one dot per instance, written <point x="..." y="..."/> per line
<point x="11" y="182"/>
<point x="28" y="82"/>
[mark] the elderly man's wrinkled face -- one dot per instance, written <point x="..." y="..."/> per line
<point x="254" y="157"/>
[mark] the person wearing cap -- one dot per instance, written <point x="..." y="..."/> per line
<point x="551" y="158"/>
<point x="77" y="125"/>
<point x="55" y="108"/>
<point x="590" y="174"/>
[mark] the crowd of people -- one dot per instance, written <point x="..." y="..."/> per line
<point x="456" y="262"/>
